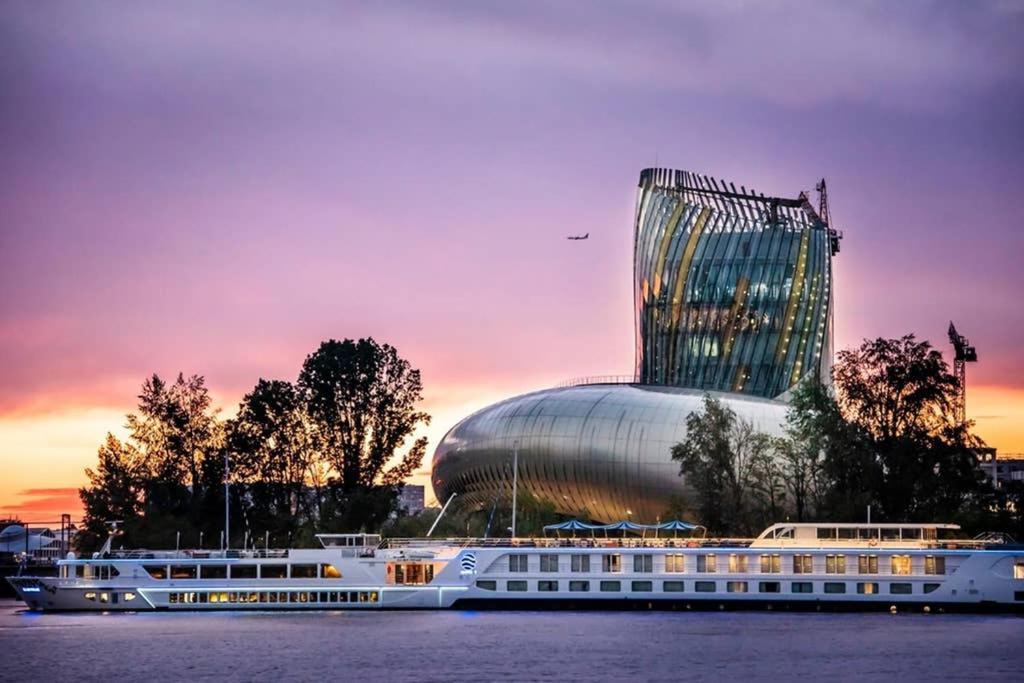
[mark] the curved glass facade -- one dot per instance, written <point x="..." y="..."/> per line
<point x="733" y="294"/>
<point x="733" y="289"/>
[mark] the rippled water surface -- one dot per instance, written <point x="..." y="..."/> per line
<point x="484" y="646"/>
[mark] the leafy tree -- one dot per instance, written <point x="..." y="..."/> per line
<point x="177" y="431"/>
<point x="115" y="492"/>
<point x="720" y="457"/>
<point x="271" y="452"/>
<point x="155" y="481"/>
<point x="361" y="399"/>
<point x="829" y="470"/>
<point x="899" y="396"/>
<point x="768" y="480"/>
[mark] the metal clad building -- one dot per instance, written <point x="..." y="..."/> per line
<point x="733" y="297"/>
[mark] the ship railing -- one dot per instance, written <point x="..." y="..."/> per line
<point x="671" y="542"/>
<point x="143" y="554"/>
<point x="596" y="542"/>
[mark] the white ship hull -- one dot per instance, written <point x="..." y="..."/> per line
<point x="599" y="573"/>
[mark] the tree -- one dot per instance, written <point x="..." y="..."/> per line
<point x="271" y="451"/>
<point x="115" y="492"/>
<point x="900" y="396"/>
<point x="361" y="401"/>
<point x="177" y="431"/>
<point x="720" y="456"/>
<point x="163" y="468"/>
<point x="768" y="481"/>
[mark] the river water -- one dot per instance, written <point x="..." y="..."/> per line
<point x="485" y="646"/>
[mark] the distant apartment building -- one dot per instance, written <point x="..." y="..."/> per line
<point x="1002" y="469"/>
<point x="411" y="499"/>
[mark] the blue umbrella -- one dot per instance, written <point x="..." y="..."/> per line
<point x="572" y="525"/>
<point x="676" y="525"/>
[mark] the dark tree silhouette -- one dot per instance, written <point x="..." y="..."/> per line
<point x="361" y="397"/>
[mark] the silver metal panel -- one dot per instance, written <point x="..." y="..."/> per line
<point x="602" y="449"/>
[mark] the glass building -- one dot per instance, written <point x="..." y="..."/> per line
<point x="733" y="289"/>
<point x="733" y="297"/>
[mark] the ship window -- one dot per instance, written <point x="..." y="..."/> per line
<point x="611" y="586"/>
<point x="413" y="573"/>
<point x="172" y="598"/>
<point x="803" y="564"/>
<point x="1018" y="570"/>
<point x="268" y="571"/>
<point x="486" y="585"/>
<point x="213" y="571"/>
<point x="675" y="564"/>
<point x="518" y="563"/>
<point x="867" y="564"/>
<point x="516" y="586"/>
<point x="736" y="586"/>
<point x="157" y="571"/>
<point x="579" y="586"/>
<point x="580" y="563"/>
<point x="611" y="563"/>
<point x="867" y="588"/>
<point x="643" y="564"/>
<point x="835" y="587"/>
<point x="769" y="587"/>
<point x="931" y="587"/>
<point x="128" y="597"/>
<point x="901" y="588"/>
<point x="248" y="571"/>
<point x="203" y="597"/>
<point x="934" y="565"/>
<point x="1018" y="595"/>
<point x="183" y="571"/>
<point x="706" y="564"/>
<point x="802" y="587"/>
<point x="90" y="596"/>
<point x="835" y="564"/>
<point x="643" y="586"/>
<point x="900" y="565"/>
<point x="673" y="586"/>
<point x="737" y="564"/>
<point x="303" y="571"/>
<point x="329" y="571"/>
<point x="549" y="563"/>
<point x="771" y="564"/>
<point x="704" y="586"/>
<point x="547" y="586"/>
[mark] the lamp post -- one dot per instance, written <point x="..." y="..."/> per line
<point x="227" y="501"/>
<point x="515" y="482"/>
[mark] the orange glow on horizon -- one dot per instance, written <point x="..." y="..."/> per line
<point x="43" y="456"/>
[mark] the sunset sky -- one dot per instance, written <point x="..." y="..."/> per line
<point x="215" y="188"/>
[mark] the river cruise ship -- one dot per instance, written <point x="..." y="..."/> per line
<point x="789" y="566"/>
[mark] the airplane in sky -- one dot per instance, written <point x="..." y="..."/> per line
<point x="578" y="237"/>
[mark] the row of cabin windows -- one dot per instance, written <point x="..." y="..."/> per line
<point x="899" y="565"/>
<point x="829" y="587"/>
<point x="271" y="597"/>
<point x="242" y="571"/>
<point x="110" y="597"/>
<point x="96" y="572"/>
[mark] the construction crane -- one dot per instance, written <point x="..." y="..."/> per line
<point x="826" y="218"/>
<point x="963" y="353"/>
